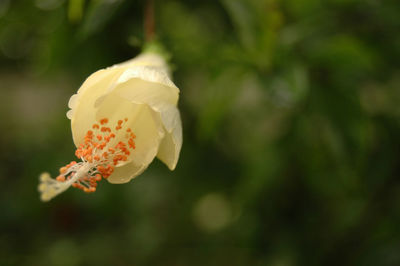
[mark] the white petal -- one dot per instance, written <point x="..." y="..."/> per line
<point x="146" y="125"/>
<point x="148" y="67"/>
<point x="98" y="76"/>
<point x="150" y="74"/>
<point x="153" y="94"/>
<point x="93" y="88"/>
<point x="126" y="173"/>
<point x="171" y="145"/>
<point x="162" y="100"/>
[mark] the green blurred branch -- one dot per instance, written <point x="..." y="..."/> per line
<point x="75" y="10"/>
<point x="148" y="23"/>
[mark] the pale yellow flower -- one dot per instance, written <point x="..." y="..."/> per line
<point x="121" y="118"/>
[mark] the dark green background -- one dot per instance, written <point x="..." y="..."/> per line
<point x="291" y="118"/>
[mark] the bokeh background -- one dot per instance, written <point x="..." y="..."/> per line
<point x="291" y="114"/>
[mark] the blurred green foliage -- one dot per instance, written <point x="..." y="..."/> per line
<point x="291" y="134"/>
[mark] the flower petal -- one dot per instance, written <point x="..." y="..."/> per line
<point x="150" y="74"/>
<point x="126" y="173"/>
<point x="83" y="102"/>
<point x="162" y="100"/>
<point x="141" y="91"/>
<point x="146" y="125"/>
<point x="171" y="145"/>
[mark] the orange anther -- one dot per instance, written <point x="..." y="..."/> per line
<point x="118" y="127"/>
<point x="131" y="144"/>
<point x="89" y="133"/>
<point x="89" y="158"/>
<point x="126" y="119"/>
<point x="105" y="129"/>
<point x="96" y="158"/>
<point x="120" y="122"/>
<point x="60" y="178"/>
<point x="97" y="177"/>
<point x="129" y="130"/>
<point x="63" y="170"/>
<point x="99" y="137"/>
<point x="95" y="126"/>
<point x="104" y="121"/>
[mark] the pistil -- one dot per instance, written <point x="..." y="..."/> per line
<point x="100" y="154"/>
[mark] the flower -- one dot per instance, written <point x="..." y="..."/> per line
<point x="121" y="118"/>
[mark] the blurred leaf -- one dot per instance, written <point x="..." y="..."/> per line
<point x="243" y="19"/>
<point x="99" y="12"/>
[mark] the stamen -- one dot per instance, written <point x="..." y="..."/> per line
<point x="96" y="164"/>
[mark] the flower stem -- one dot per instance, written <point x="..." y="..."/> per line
<point x="149" y="25"/>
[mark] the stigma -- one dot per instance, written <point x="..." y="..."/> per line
<point x="103" y="148"/>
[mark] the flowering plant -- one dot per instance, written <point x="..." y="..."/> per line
<point x="121" y="118"/>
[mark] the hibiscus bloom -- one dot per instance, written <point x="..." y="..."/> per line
<point x="121" y="118"/>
